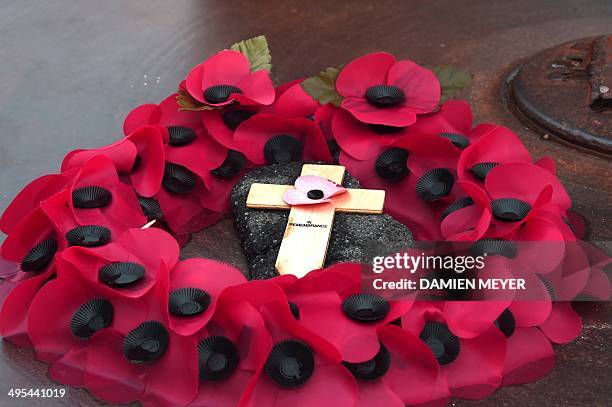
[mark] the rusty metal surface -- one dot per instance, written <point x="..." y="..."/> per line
<point x="566" y="92"/>
<point x="601" y="74"/>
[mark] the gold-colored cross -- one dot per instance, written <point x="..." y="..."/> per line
<point x="308" y="230"/>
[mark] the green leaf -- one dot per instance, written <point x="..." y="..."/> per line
<point x="186" y="102"/>
<point x="452" y="80"/>
<point x="256" y="51"/>
<point x="323" y="87"/>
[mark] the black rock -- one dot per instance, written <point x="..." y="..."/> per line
<point x="355" y="237"/>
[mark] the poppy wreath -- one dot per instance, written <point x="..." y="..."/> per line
<point x="111" y="307"/>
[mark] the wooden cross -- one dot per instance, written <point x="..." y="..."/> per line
<point x="308" y="230"/>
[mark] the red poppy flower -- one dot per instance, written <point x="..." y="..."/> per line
<point x="139" y="156"/>
<point x="98" y="197"/>
<point x="177" y="124"/>
<point x="16" y="306"/>
<point x="232" y="351"/>
<point x="69" y="309"/>
<point x="469" y="313"/>
<point x="269" y="139"/>
<point x="456" y="355"/>
<point x="222" y="123"/>
<point x="453" y="121"/>
<point x="564" y="323"/>
<point x="70" y="232"/>
<point x="184" y="212"/>
<point x="31" y="248"/>
<point x="546" y="302"/>
<point x="529" y="354"/>
<point x="186" y="141"/>
<point x="403" y="372"/>
<point x="418" y="175"/>
<point x="301" y="369"/>
<point x="362" y="140"/>
<point x="331" y="303"/>
<point x="225" y="77"/>
<point x="220" y="182"/>
<point x="32" y="244"/>
<point x="130" y="264"/>
<point x="498" y="145"/>
<point x="377" y="89"/>
<point x="195" y="286"/>
<point x="518" y="191"/>
<point x="292" y="102"/>
<point x="323" y="118"/>
<point x="29" y="197"/>
<point x="467" y="218"/>
<point x="125" y="365"/>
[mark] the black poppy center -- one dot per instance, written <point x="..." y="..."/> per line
<point x="290" y="363"/>
<point x="437" y="188"/>
<point x="391" y="164"/>
<point x="315" y="194"/>
<point x="233" y="118"/>
<point x="506" y="323"/>
<point x="510" y="209"/>
<point x="88" y="236"/>
<point x="180" y="135"/>
<point x="457" y="205"/>
<point x="121" y="274"/>
<point x="232" y="165"/>
<point x="188" y="301"/>
<point x="39" y="256"/>
<point x="96" y="323"/>
<point x="282" y="148"/>
<point x="150" y="208"/>
<point x="91" y="197"/>
<point x="458" y="140"/>
<point x="146" y="343"/>
<point x="136" y="163"/>
<point x="384" y="95"/>
<point x="483" y="169"/>
<point x="220" y="93"/>
<point x="494" y="246"/>
<point x="436" y="346"/>
<point x="384" y="129"/>
<point x="434" y="184"/>
<point x="365" y="307"/>
<point x="291" y="368"/>
<point x="90" y="317"/>
<point x="295" y="311"/>
<point x="371" y="369"/>
<point x="218" y="358"/>
<point x="150" y="345"/>
<point x="217" y="362"/>
<point x="178" y="179"/>
<point x="443" y="343"/>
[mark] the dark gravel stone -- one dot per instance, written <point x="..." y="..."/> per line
<point x="355" y="237"/>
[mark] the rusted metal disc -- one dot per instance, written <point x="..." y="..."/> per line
<point x="566" y="92"/>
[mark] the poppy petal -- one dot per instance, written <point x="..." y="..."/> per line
<point x="397" y="116"/>
<point x="420" y="85"/>
<point x="361" y="73"/>
<point x="563" y="324"/>
<point x="529" y="357"/>
<point x="142" y="115"/>
<point x="488" y="352"/>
